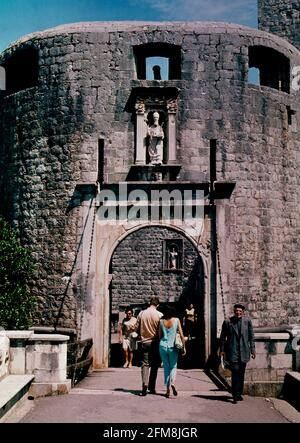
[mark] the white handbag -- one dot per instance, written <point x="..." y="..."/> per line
<point x="178" y="342"/>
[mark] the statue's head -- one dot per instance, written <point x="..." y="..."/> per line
<point x="155" y="118"/>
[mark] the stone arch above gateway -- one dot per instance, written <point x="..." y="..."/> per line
<point x="107" y="245"/>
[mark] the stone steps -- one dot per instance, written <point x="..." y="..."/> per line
<point x="13" y="388"/>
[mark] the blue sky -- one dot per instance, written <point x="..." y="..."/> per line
<point x="21" y="17"/>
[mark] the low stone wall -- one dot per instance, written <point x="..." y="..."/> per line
<point x="274" y="358"/>
<point x="42" y="355"/>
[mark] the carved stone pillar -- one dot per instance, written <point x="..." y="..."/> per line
<point x="141" y="132"/>
<point x="172" y="110"/>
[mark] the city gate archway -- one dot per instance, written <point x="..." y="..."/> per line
<point x="158" y="261"/>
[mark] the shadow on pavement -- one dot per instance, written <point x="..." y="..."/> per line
<point x="211" y="369"/>
<point x="214" y="397"/>
<point x="139" y="393"/>
<point x="131" y="391"/>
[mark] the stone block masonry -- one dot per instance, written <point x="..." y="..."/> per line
<point x="281" y="17"/>
<point x="139" y="274"/>
<point x="274" y="356"/>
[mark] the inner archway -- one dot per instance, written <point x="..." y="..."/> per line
<point x="157" y="261"/>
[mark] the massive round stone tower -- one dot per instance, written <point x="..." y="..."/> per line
<point x="76" y="144"/>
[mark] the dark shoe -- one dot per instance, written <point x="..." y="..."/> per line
<point x="174" y="390"/>
<point x="144" y="391"/>
<point x="234" y="401"/>
<point x="239" y="398"/>
<point x="152" y="391"/>
<point x="167" y="394"/>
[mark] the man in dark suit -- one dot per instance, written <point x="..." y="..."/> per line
<point x="236" y="346"/>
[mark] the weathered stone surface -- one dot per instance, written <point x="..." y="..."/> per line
<point x="44" y="389"/>
<point x="280" y="17"/>
<point x="139" y="272"/>
<point x="274" y="357"/>
<point x="263" y="388"/>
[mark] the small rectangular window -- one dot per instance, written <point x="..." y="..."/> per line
<point x="166" y="57"/>
<point x="272" y="66"/>
<point x="21" y="70"/>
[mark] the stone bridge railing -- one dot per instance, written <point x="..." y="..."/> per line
<point x="276" y="355"/>
<point x="42" y="355"/>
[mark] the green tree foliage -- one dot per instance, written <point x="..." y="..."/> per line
<point x="16" y="268"/>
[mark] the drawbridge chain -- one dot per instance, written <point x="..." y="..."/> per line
<point x="84" y="292"/>
<point x="220" y="275"/>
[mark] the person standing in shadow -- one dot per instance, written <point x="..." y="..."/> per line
<point x="168" y="326"/>
<point x="127" y="337"/>
<point x="190" y="319"/>
<point x="236" y="346"/>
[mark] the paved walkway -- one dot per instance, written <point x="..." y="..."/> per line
<point x="113" y="396"/>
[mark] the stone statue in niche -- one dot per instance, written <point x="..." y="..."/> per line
<point x="173" y="259"/>
<point x="156" y="136"/>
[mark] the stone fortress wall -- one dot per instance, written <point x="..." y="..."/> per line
<point x="49" y="152"/>
<point x="141" y="254"/>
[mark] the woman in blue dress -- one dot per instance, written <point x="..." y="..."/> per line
<point x="169" y="325"/>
